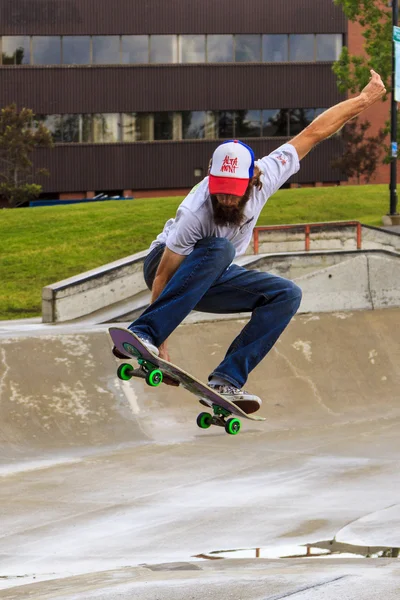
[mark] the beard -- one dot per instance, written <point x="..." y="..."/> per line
<point x="229" y="215"/>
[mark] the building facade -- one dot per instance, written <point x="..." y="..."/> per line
<point x="138" y="94"/>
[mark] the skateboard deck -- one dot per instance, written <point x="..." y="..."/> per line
<point x="152" y="368"/>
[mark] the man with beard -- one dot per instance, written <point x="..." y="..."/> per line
<point x="189" y="266"/>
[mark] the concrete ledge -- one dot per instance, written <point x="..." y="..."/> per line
<point x="117" y="291"/>
<point x="94" y="290"/>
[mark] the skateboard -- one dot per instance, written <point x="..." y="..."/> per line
<point x="152" y="369"/>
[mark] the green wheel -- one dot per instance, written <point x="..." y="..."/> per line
<point x="232" y="426"/>
<point x="204" y="420"/>
<point x="124" y="372"/>
<point x="154" y="378"/>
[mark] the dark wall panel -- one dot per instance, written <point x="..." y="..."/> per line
<point x="157" y="165"/>
<point x="46" y="17"/>
<point x="203" y="87"/>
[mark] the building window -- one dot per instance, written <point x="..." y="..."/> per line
<point x="144" y="127"/>
<point x="193" y="125"/>
<point x="135" y="49"/>
<point x="225" y="124"/>
<point x="164" y="126"/>
<point x="106" y="50"/>
<point x="164" y="49"/>
<point x="275" y="123"/>
<point x="275" y="48"/>
<point x="248" y="123"/>
<point x="76" y="50"/>
<point x="46" y="50"/>
<point x="329" y="46"/>
<point x="248" y="48"/>
<point x="186" y="125"/>
<point x="71" y="127"/>
<point x="301" y="48"/>
<point x="53" y="123"/>
<point x="192" y="48"/>
<point x="299" y="119"/>
<point x="16" y="50"/>
<point x="129" y="127"/>
<point x="106" y="128"/>
<point x="319" y="111"/>
<point x="220" y="48"/>
<point x="137" y="127"/>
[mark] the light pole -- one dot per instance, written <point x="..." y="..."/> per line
<point x="393" y="162"/>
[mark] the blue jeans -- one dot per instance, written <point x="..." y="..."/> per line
<point x="207" y="281"/>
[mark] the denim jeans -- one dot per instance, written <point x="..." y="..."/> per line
<point x="207" y="281"/>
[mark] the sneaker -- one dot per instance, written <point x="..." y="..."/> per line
<point x="250" y="403"/>
<point x="146" y="341"/>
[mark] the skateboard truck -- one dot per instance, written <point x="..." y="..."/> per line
<point x="220" y="418"/>
<point x="147" y="371"/>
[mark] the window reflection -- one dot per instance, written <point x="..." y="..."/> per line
<point x="329" y="46"/>
<point x="193" y="125"/>
<point x="76" y="49"/>
<point x="16" y="50"/>
<point x="135" y="49"/>
<point x="53" y="123"/>
<point x="301" y="48"/>
<point x="275" y="48"/>
<point x="106" y="128"/>
<point x="300" y="118"/>
<point x="225" y="124"/>
<point x="275" y="123"/>
<point x="248" y="123"/>
<point x="163" y="126"/>
<point x="137" y="127"/>
<point x="219" y="48"/>
<point x="192" y="48"/>
<point x="248" y="48"/>
<point x="186" y="125"/>
<point x="164" y="49"/>
<point x="211" y="125"/>
<point x="106" y="50"/>
<point x="71" y="125"/>
<point x="46" y="50"/>
<point x="319" y="111"/>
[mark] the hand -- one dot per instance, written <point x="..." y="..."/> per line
<point x="164" y="354"/>
<point x="375" y="90"/>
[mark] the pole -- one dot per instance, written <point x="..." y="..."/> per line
<point x="393" y="162"/>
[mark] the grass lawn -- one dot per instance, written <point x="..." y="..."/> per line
<point x="39" y="246"/>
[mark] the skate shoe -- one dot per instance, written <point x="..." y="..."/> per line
<point x="249" y="403"/>
<point x="145" y="341"/>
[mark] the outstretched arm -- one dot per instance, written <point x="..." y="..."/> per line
<point x="332" y="120"/>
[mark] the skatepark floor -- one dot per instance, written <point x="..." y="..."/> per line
<point x="109" y="490"/>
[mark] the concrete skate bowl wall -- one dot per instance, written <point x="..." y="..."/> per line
<point x="117" y="291"/>
<point x="60" y="398"/>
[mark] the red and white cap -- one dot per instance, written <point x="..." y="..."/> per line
<point x="232" y="168"/>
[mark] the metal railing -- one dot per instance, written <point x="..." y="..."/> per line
<point x="307" y="231"/>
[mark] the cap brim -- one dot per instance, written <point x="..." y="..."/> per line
<point x="227" y="185"/>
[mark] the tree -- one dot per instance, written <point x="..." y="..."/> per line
<point x="353" y="72"/>
<point x="361" y="154"/>
<point x="19" y="136"/>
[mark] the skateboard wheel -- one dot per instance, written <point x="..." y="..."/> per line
<point x="232" y="426"/>
<point x="124" y="372"/>
<point x="204" y="420"/>
<point x="154" y="378"/>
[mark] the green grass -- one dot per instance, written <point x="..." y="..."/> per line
<point x="39" y="246"/>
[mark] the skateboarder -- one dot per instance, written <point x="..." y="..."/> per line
<point x="189" y="265"/>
